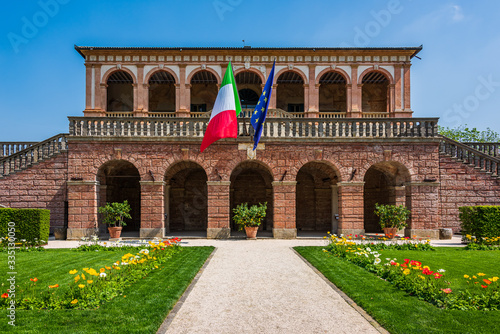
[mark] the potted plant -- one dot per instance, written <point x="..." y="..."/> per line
<point x="249" y="218"/>
<point x="392" y="218"/>
<point x="114" y="213"/>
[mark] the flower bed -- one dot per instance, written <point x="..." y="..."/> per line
<point x="91" y="287"/>
<point x="485" y="243"/>
<point x="419" y="279"/>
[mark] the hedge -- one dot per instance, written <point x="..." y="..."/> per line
<point x="29" y="223"/>
<point x="480" y="221"/>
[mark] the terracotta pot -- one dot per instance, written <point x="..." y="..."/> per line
<point x="114" y="232"/>
<point x="251" y="232"/>
<point x="60" y="233"/>
<point x="390" y="232"/>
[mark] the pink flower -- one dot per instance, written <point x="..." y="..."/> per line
<point x="447" y="290"/>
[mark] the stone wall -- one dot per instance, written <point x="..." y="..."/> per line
<point x="42" y="186"/>
<point x="463" y="185"/>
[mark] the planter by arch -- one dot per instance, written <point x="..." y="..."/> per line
<point x="115" y="232"/>
<point x="251" y="232"/>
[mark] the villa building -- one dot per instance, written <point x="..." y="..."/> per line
<point x="340" y="136"/>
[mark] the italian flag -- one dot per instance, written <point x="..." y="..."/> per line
<point x="223" y="122"/>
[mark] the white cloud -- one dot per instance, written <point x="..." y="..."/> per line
<point x="446" y="14"/>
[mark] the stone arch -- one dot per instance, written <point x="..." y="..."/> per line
<point x="186" y="197"/>
<point x="286" y="69"/>
<point x="381" y="70"/>
<point x="316" y="199"/>
<point x="164" y="69"/>
<point x="251" y="182"/>
<point x="340" y="71"/>
<point x="120" y="91"/>
<point x="204" y="89"/>
<point x="375" y="92"/>
<point x="384" y="184"/>
<point x="249" y="84"/>
<point x="109" y="72"/>
<point x="162" y="91"/>
<point x="332" y="91"/>
<point x="253" y="70"/>
<point x="208" y="69"/>
<point x="290" y="94"/>
<point x="119" y="181"/>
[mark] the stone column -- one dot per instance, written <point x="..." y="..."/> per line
<point x="167" y="208"/>
<point x="272" y="103"/>
<point x="284" y="209"/>
<point x="348" y="99"/>
<point x="407" y="104"/>
<point x="335" y="208"/>
<point x="89" y="69"/>
<point x="398" y="108"/>
<point x="145" y="88"/>
<point x="351" y="208"/>
<point x="140" y="93"/>
<point x="313" y="94"/>
<point x="425" y="219"/>
<point x="82" y="208"/>
<point x="152" y="202"/>
<point x="102" y="202"/>
<point x="391" y="101"/>
<point x="104" y="96"/>
<point x="218" y="210"/>
<point x="184" y="94"/>
<point x="356" y="94"/>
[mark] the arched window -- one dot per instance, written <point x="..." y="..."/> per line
<point x="290" y="92"/>
<point x="332" y="93"/>
<point x="250" y="88"/>
<point x="162" y="92"/>
<point x="203" y="91"/>
<point x="120" y="92"/>
<point x="375" y="93"/>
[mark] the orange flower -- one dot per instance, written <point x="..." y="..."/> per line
<point x="484" y="286"/>
<point x="34" y="279"/>
<point x="53" y="286"/>
<point x="5" y="295"/>
<point x="102" y="270"/>
<point x="486" y="281"/>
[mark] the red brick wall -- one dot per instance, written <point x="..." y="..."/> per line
<point x="462" y="185"/>
<point x="42" y="186"/>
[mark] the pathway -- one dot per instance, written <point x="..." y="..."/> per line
<point x="262" y="286"/>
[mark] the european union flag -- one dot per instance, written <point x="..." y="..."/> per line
<point x="260" y="112"/>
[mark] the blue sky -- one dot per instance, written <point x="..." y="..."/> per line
<point x="42" y="76"/>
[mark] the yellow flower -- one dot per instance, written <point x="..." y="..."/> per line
<point x="108" y="268"/>
<point x="83" y="276"/>
<point x="494" y="279"/>
<point x="92" y="272"/>
<point x="102" y="270"/>
<point x="74" y="301"/>
<point x="116" y="267"/>
<point x="77" y="278"/>
<point x="85" y="269"/>
<point x="466" y="276"/>
<point x="481" y="274"/>
<point x="81" y="286"/>
<point x="406" y="271"/>
<point x="422" y="277"/>
<point x="90" y="281"/>
<point x="474" y="276"/>
<point x="72" y="272"/>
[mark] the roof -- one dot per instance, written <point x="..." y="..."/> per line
<point x="415" y="50"/>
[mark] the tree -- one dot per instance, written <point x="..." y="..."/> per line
<point x="470" y="135"/>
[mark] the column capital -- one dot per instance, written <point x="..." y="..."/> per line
<point x="351" y="184"/>
<point x="152" y="183"/>
<point x="284" y="183"/>
<point x="218" y="183"/>
<point x="82" y="183"/>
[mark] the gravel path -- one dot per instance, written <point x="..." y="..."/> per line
<point x="262" y="286"/>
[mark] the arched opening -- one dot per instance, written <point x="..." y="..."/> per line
<point x="375" y="93"/>
<point x="120" y="92"/>
<point x="316" y="198"/>
<point x="251" y="182"/>
<point x="332" y="93"/>
<point x="384" y="184"/>
<point x="203" y="91"/>
<point x="290" y="92"/>
<point x="186" y="205"/>
<point x="249" y="85"/>
<point x="162" y="92"/>
<point x="119" y="181"/>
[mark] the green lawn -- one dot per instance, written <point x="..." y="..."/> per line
<point x="398" y="312"/>
<point x="146" y="305"/>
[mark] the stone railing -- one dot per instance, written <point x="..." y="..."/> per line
<point x="326" y="114"/>
<point x="492" y="149"/>
<point x="33" y="154"/>
<point x="9" y="148"/>
<point x="374" y="115"/>
<point x="276" y="128"/>
<point x="470" y="156"/>
<point x="119" y="114"/>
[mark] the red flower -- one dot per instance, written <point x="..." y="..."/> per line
<point x="487" y="281"/>
<point x="484" y="286"/>
<point x="163" y="249"/>
<point x="53" y="286"/>
<point x="407" y="260"/>
<point x="447" y="290"/>
<point x="5" y="295"/>
<point x="437" y="275"/>
<point x="416" y="263"/>
<point x="34" y="279"/>
<point x="427" y="272"/>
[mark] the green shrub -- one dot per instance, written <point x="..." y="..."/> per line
<point x="249" y="217"/>
<point x="30" y="224"/>
<point x="480" y="221"/>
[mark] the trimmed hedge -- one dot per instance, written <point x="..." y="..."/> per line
<point x="30" y="223"/>
<point x="480" y="221"/>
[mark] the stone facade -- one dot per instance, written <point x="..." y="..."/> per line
<point x="323" y="162"/>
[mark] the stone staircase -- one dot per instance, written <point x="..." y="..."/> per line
<point x="22" y="155"/>
<point x="483" y="157"/>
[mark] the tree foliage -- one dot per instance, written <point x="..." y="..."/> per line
<point x="465" y="134"/>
